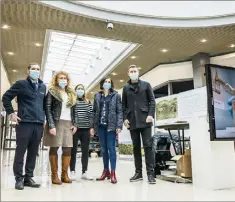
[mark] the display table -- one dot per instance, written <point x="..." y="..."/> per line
<point x="179" y="127"/>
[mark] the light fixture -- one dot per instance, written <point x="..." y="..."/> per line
<point x="10" y="53"/>
<point x="139" y="68"/>
<point x="121" y="81"/>
<point x="14" y="70"/>
<point x="38" y="44"/>
<point x="232" y="46"/>
<point x="107" y="46"/>
<point x="5" y="26"/>
<point x="133" y="57"/>
<point x="114" y="74"/>
<point x="203" y="40"/>
<point x="92" y="92"/>
<point x="164" y="50"/>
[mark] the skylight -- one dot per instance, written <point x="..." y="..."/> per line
<point x="83" y="57"/>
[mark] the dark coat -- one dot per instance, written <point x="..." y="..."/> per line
<point x="53" y="106"/>
<point x="138" y="104"/>
<point x="115" y="115"/>
<point x="29" y="100"/>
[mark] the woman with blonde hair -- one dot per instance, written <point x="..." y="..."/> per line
<point x="83" y="109"/>
<point x="61" y="124"/>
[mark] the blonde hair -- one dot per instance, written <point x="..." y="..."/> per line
<point x="54" y="81"/>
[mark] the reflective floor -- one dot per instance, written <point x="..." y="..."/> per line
<point x="98" y="191"/>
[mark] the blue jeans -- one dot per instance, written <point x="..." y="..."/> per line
<point x="108" y="147"/>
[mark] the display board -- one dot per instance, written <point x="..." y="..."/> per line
<point x="221" y="101"/>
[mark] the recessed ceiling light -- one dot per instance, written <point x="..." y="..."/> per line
<point x="114" y="74"/>
<point x="133" y="57"/>
<point x="14" y="70"/>
<point x="5" y="26"/>
<point x="10" y="53"/>
<point x="203" y="40"/>
<point x="164" y="50"/>
<point x="38" y="44"/>
<point x="139" y="68"/>
<point x="121" y="81"/>
<point x="232" y="46"/>
<point x="92" y="92"/>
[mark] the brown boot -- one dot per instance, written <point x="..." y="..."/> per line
<point x="54" y="169"/>
<point x="65" y="166"/>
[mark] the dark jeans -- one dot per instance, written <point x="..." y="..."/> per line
<point x="147" y="144"/>
<point x="82" y="134"/>
<point x="108" y="147"/>
<point x="28" y="137"/>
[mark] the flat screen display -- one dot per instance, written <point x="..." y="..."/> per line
<point x="221" y="101"/>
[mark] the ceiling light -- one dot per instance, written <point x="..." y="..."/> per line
<point x="133" y="57"/>
<point x="10" y="53"/>
<point x="5" y="27"/>
<point x="164" y="50"/>
<point x="232" y="46"/>
<point x="92" y="92"/>
<point x="121" y="81"/>
<point x="203" y="40"/>
<point x="14" y="70"/>
<point x="38" y="44"/>
<point x="139" y="68"/>
<point x="114" y="74"/>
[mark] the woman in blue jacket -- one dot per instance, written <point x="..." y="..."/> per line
<point x="107" y="122"/>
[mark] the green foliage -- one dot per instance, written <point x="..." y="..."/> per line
<point x="166" y="109"/>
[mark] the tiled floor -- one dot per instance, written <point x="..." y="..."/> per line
<point x="98" y="191"/>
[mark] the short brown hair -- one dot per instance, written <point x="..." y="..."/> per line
<point x="31" y="64"/>
<point x="132" y="66"/>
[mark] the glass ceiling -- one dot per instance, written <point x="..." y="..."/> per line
<point x="73" y="53"/>
<point x="85" y="58"/>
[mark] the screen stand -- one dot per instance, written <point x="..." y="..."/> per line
<point x="213" y="163"/>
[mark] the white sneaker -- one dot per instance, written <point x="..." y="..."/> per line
<point x="73" y="175"/>
<point x="85" y="176"/>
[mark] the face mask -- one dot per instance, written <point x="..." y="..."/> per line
<point x="80" y="93"/>
<point x="34" y="74"/>
<point x="134" y="76"/>
<point x="107" y="86"/>
<point x="63" y="83"/>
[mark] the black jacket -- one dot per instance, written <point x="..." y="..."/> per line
<point x="137" y="104"/>
<point x="115" y="115"/>
<point x="29" y="100"/>
<point x="53" y="106"/>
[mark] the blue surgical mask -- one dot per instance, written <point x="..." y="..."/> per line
<point x="34" y="74"/>
<point x="107" y="86"/>
<point x="63" y="83"/>
<point x="134" y="76"/>
<point x="80" y="93"/>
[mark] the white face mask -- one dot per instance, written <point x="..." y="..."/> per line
<point x="134" y="76"/>
<point x="63" y="83"/>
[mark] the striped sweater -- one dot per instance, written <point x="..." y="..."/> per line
<point x="84" y="111"/>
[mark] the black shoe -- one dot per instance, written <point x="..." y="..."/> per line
<point x="19" y="185"/>
<point x="136" y="177"/>
<point x="29" y="182"/>
<point x="151" y="179"/>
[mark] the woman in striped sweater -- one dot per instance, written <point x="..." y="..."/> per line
<point x="83" y="109"/>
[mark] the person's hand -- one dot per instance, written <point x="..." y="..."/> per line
<point x="118" y="130"/>
<point x="15" y="118"/>
<point x="52" y="131"/>
<point x="149" y="119"/>
<point x="74" y="129"/>
<point x="230" y="103"/>
<point x="92" y="132"/>
<point x="127" y="123"/>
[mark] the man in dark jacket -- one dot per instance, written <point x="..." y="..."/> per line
<point x="138" y="110"/>
<point x="29" y="121"/>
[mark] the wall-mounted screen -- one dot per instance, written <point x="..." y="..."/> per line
<point x="221" y="101"/>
